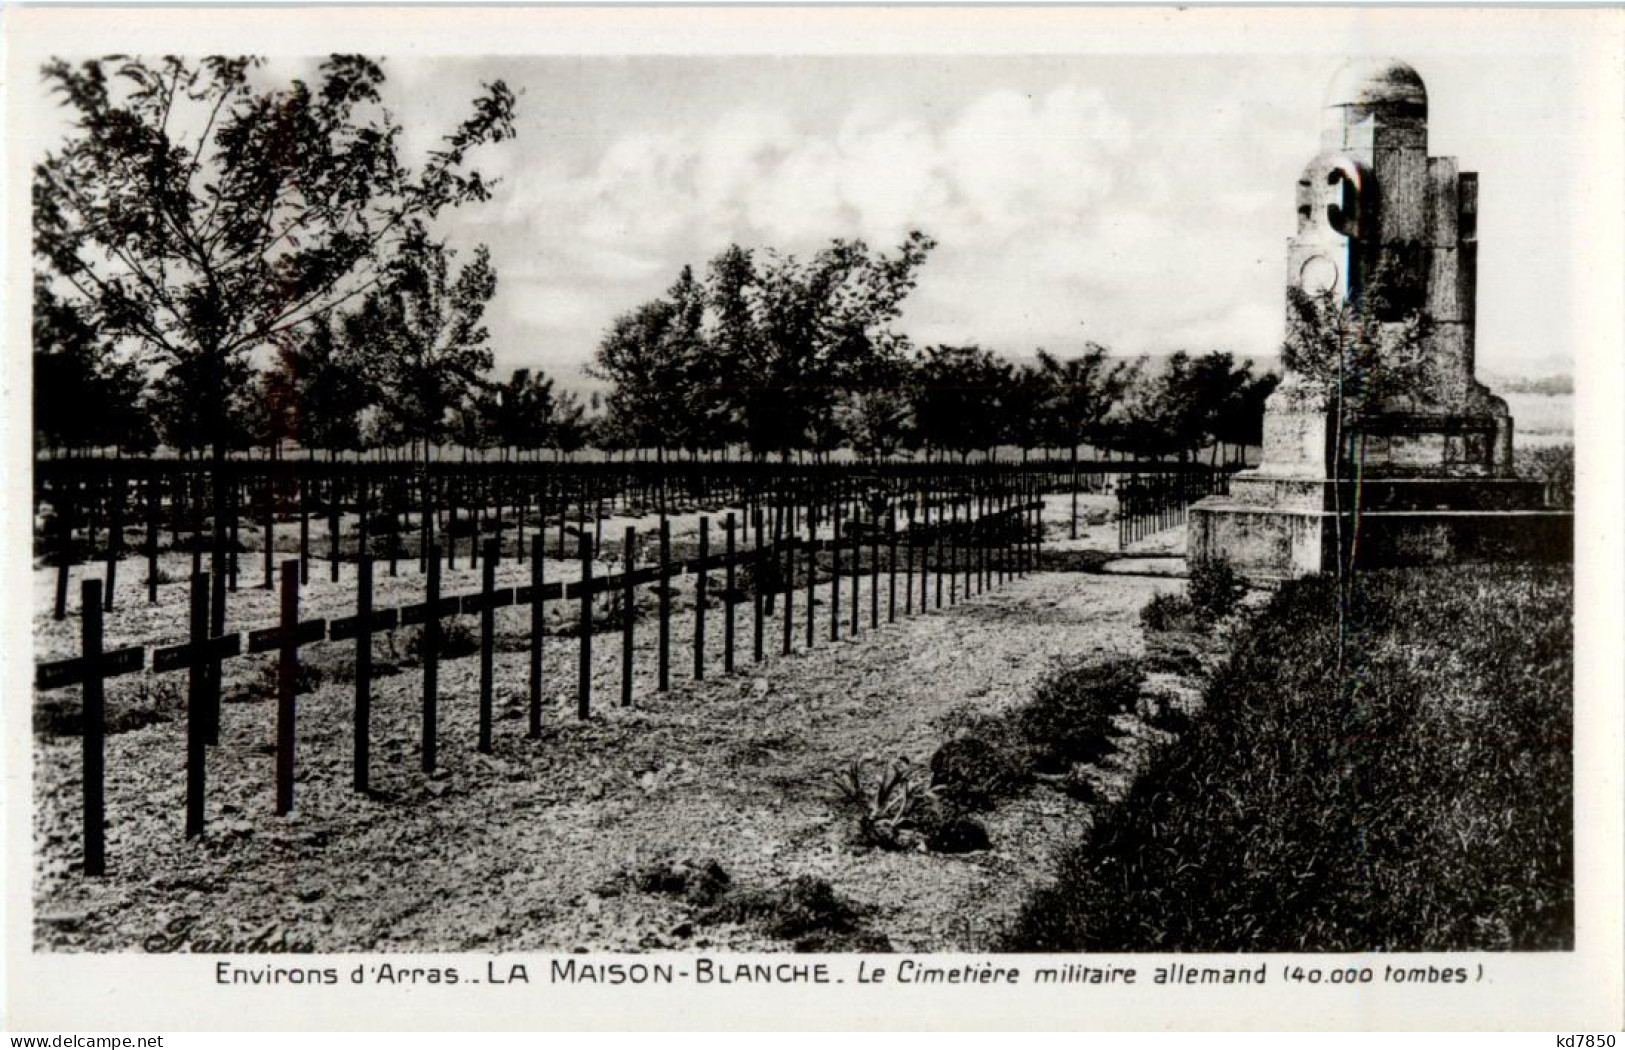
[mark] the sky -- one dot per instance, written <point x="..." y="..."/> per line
<point x="1142" y="202"/>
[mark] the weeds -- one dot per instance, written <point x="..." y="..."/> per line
<point x="129" y="704"/>
<point x="893" y="811"/>
<point x="1070" y="714"/>
<point x="971" y="773"/>
<point x="805" y="906"/>
<point x="1214" y="589"/>
<point x="1423" y="803"/>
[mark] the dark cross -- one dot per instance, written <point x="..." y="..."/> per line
<point x="363" y="526"/>
<point x="396" y="509"/>
<point x="304" y="530"/>
<point x="664" y="594"/>
<point x="197" y="709"/>
<point x="286" y="638"/>
<point x="538" y="544"/>
<point x="758" y="583"/>
<point x="154" y="480"/>
<point x="201" y="657"/>
<point x="486" y="603"/>
<point x="891" y="567"/>
<point x="89" y="670"/>
<point x="908" y="564"/>
<point x="812" y="573"/>
<point x="628" y="611"/>
<point x="700" y="580"/>
<point x="64" y="551"/>
<point x="234" y="503"/>
<point x="584" y="680"/>
<point x="789" y="590"/>
<point x="730" y="597"/>
<point x="115" y="536"/>
<point x="429" y="612"/>
<point x="835" y="575"/>
<point x="270" y="529"/>
<point x="361" y="627"/>
<point x="333" y="494"/>
<point x="855" y="527"/>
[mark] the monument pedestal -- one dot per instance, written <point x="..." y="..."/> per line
<point x="1273" y="528"/>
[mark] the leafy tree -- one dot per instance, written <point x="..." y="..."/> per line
<point x="573" y="425"/>
<point x="792" y="336"/>
<point x="476" y="420"/>
<point x="1023" y="399"/>
<point x="429" y="351"/>
<point x="202" y="215"/>
<point x="1216" y="383"/>
<point x="270" y="411"/>
<point x="666" y="387"/>
<point x="1240" y="419"/>
<point x="524" y="410"/>
<point x="1083" y="391"/>
<point x="876" y="422"/>
<point x="85" y="394"/>
<point x="955" y="394"/>
<point x="330" y="386"/>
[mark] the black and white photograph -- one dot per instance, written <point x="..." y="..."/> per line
<point x="1029" y="509"/>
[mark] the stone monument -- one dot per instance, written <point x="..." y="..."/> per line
<point x="1436" y="467"/>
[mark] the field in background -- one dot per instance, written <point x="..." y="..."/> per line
<point x="1541" y="420"/>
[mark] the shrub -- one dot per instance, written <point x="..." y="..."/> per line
<point x="971" y="772"/>
<point x="127" y="705"/>
<point x="262" y="684"/>
<point x="1072" y="707"/>
<point x="1168" y="612"/>
<point x="1422" y="803"/>
<point x="806" y="906"/>
<point x="1214" y="589"/>
<point x="891" y="812"/>
<point x="698" y="882"/>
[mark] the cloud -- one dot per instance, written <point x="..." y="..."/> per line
<point x="1059" y="219"/>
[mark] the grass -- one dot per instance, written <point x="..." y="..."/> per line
<point x="1421" y="804"/>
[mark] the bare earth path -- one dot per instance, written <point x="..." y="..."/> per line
<point x="523" y="850"/>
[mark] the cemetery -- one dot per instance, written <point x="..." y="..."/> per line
<point x="791" y="635"/>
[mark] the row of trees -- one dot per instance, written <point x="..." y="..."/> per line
<point x="223" y="264"/>
<point x="782" y="356"/>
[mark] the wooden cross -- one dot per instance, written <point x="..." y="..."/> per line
<point x="90" y="669"/>
<point x="361" y="627"/>
<point x="286" y="639"/>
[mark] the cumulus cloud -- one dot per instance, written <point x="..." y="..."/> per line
<point x="1054" y="212"/>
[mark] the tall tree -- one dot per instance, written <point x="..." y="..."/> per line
<point x="85" y="393"/>
<point x="429" y="348"/>
<point x="956" y="398"/>
<point x="1082" y="393"/>
<point x="666" y="392"/>
<point x="574" y="422"/>
<point x="202" y="215"/>
<point x="331" y="388"/>
<point x="524" y="412"/>
<point x="792" y="336"/>
<point x="1023" y="400"/>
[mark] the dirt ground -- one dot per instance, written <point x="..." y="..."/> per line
<point x="529" y="848"/>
